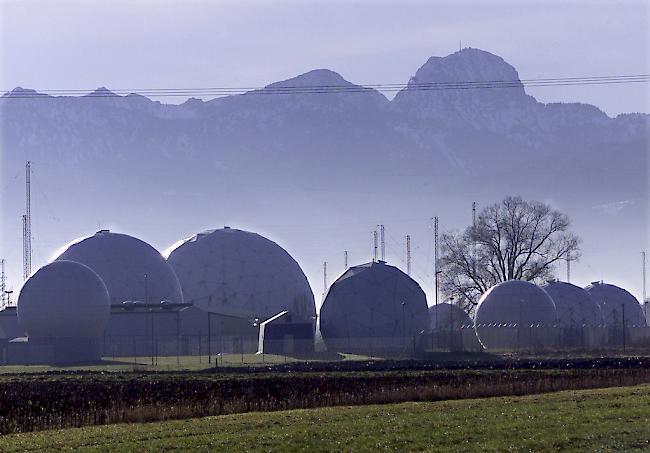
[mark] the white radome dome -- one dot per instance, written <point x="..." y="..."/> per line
<point x="63" y="299"/>
<point x="575" y="307"/>
<point x="448" y="316"/>
<point x="515" y="314"/>
<point x="130" y="268"/>
<point x="372" y="306"/>
<point x="611" y="300"/>
<point x="242" y="274"/>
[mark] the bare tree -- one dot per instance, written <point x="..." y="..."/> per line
<point x="513" y="239"/>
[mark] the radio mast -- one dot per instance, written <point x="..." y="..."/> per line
<point x="374" y="244"/>
<point x="408" y="255"/>
<point x="27" y="224"/>
<point x="3" y="285"/>
<point x="435" y="255"/>
<point x="382" y="241"/>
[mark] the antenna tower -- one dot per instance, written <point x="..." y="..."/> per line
<point x="408" y="255"/>
<point x="374" y="242"/>
<point x="382" y="241"/>
<point x="324" y="277"/>
<point x="3" y="285"/>
<point x="345" y="259"/>
<point x="435" y="255"/>
<point x="568" y="268"/>
<point x="27" y="224"/>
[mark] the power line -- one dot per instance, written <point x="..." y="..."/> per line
<point x="107" y="92"/>
<point x="333" y="89"/>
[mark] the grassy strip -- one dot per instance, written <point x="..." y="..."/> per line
<point x="33" y="405"/>
<point x="614" y="419"/>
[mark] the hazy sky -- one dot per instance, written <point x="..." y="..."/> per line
<point x="123" y="45"/>
<point x="164" y="44"/>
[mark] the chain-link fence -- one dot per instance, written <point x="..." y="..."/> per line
<point x="208" y="350"/>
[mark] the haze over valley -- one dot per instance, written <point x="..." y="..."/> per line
<point x="316" y="172"/>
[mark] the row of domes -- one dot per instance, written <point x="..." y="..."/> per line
<point x="242" y="274"/>
<point x="558" y="304"/>
<point x="376" y="306"/>
<point x="226" y="271"/>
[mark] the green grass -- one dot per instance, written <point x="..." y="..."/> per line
<point x="172" y="363"/>
<point x="192" y="363"/>
<point x="615" y="419"/>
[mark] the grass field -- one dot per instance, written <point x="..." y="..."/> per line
<point x="173" y="363"/>
<point x="161" y="363"/>
<point x="615" y="419"/>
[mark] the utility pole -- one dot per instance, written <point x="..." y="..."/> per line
<point x="474" y="244"/>
<point x="27" y="224"/>
<point x="374" y="242"/>
<point x="643" y="269"/>
<point x="474" y="214"/>
<point x="435" y="256"/>
<point x="643" y="294"/>
<point x="408" y="255"/>
<point x="345" y="259"/>
<point x="382" y="237"/>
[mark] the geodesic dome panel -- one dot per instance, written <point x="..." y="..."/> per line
<point x="63" y="299"/>
<point x="611" y="299"/>
<point x="372" y="306"/>
<point x="575" y="307"/>
<point x="130" y="268"/>
<point x="242" y="274"/>
<point x="445" y="316"/>
<point x="515" y="315"/>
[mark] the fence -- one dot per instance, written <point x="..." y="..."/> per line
<point x="540" y="338"/>
<point x="202" y="349"/>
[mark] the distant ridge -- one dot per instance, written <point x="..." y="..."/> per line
<point x="465" y="131"/>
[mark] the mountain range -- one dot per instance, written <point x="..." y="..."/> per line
<point x="335" y="150"/>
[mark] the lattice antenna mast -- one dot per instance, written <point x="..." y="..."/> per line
<point x="568" y="268"/>
<point x="382" y="241"/>
<point x="26" y="264"/>
<point x="408" y="255"/>
<point x="27" y="224"/>
<point x="435" y="256"/>
<point x="324" y="277"/>
<point x="3" y="284"/>
<point x="374" y="243"/>
<point x="345" y="259"/>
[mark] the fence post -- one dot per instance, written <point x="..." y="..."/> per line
<point x="209" y="337"/>
<point x="623" y="321"/>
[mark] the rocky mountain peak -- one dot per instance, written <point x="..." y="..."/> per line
<point x="22" y="92"/>
<point x="459" y="90"/>
<point x="101" y="92"/>
<point x="466" y="65"/>
<point x="314" y="78"/>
